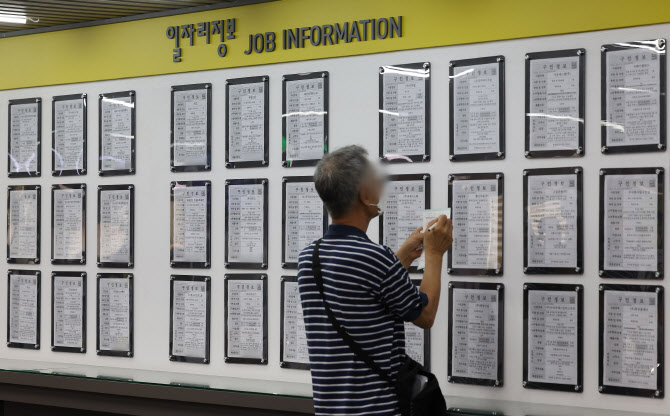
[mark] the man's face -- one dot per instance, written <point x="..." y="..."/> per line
<point x="373" y="192"/>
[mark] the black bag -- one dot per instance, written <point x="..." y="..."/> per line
<point x="412" y="399"/>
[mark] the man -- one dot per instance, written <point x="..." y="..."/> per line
<point x="367" y="287"/>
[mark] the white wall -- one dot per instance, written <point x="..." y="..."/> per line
<point x="353" y="120"/>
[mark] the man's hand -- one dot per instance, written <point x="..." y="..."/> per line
<point x="438" y="239"/>
<point x="435" y="241"/>
<point x="411" y="249"/>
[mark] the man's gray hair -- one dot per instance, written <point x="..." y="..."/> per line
<point x="338" y="178"/>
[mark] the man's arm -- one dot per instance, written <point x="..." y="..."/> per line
<point x="431" y="285"/>
<point x="410" y="249"/>
<point x="436" y="242"/>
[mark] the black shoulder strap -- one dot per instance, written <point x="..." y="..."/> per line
<point x="355" y="348"/>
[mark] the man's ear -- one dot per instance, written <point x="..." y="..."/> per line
<point x="364" y="196"/>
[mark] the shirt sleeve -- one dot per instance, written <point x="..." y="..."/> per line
<point x="400" y="295"/>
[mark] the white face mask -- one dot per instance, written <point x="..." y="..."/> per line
<point x="381" y="205"/>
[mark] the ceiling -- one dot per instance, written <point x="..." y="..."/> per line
<point x="65" y="12"/>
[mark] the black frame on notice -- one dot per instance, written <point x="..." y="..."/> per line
<point x="658" y="46"/>
<point x="38" y="312"/>
<point x="266" y="116"/>
<point x="192" y="168"/>
<point x="425" y="177"/>
<point x="550" y="287"/>
<point x="579" y="173"/>
<point x="131" y="289"/>
<point x="282" y="362"/>
<point x="54" y="188"/>
<point x="659" y="393"/>
<point x="326" y="96"/>
<point x="468" y="157"/>
<point x="567" y="53"/>
<point x="208" y="256"/>
<point x="632" y="274"/>
<point x="500" y="288"/>
<point x="131" y="188"/>
<point x="249" y="278"/>
<point x="285" y="180"/>
<point x="208" y="289"/>
<point x="38" y="242"/>
<point x="133" y="133"/>
<point x="499" y="176"/>
<point x="412" y="70"/>
<point x="84" y="158"/>
<point x="22" y="174"/>
<point x="81" y="275"/>
<point x="248" y="265"/>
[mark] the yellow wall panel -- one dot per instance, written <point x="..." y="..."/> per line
<point x="141" y="48"/>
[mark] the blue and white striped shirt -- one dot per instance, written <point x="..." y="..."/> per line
<point x="371" y="295"/>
